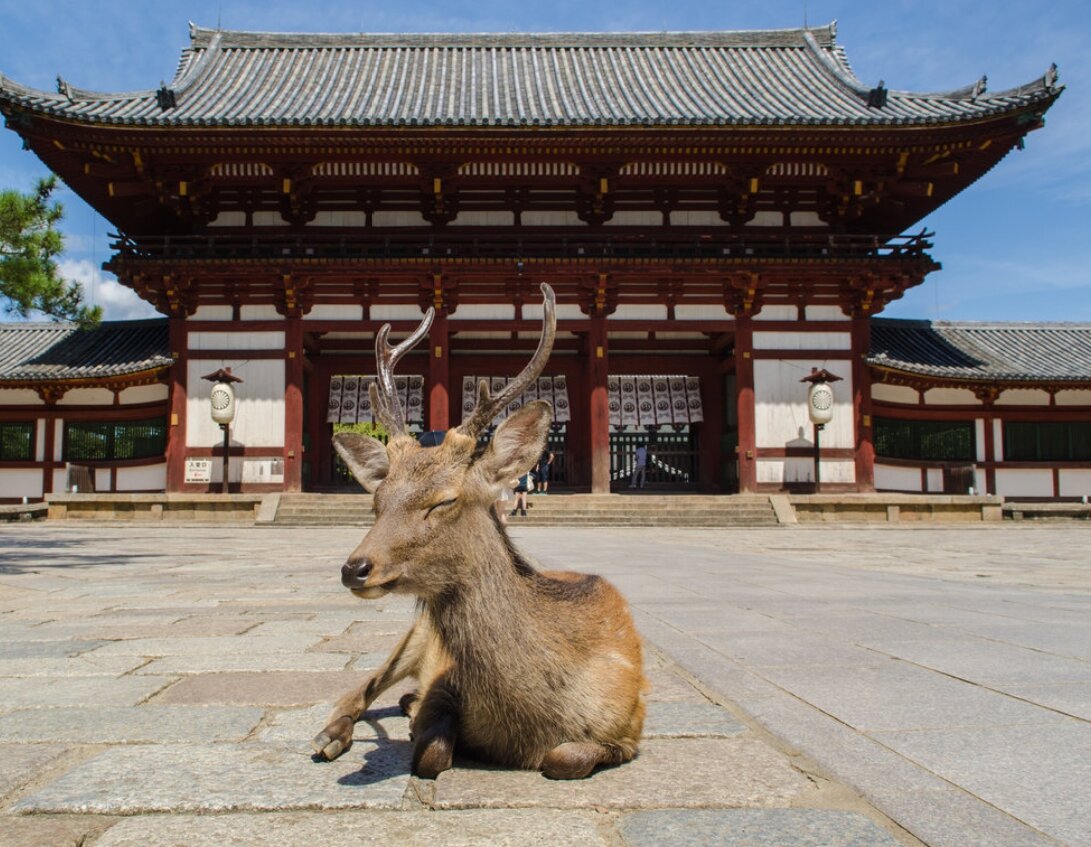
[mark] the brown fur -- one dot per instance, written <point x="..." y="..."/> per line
<point x="526" y="668"/>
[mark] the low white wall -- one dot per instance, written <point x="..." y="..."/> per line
<point x="1032" y="482"/>
<point x="897" y="478"/>
<point x="20" y="482"/>
<point x="1075" y="482"/>
<point x="792" y="470"/>
<point x="145" y="478"/>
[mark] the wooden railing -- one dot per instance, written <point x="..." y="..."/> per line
<point x="516" y="247"/>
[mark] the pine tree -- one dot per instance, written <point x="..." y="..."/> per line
<point x="29" y="243"/>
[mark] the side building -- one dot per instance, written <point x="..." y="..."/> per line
<point x="719" y="213"/>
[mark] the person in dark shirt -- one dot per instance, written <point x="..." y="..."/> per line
<point x="545" y="468"/>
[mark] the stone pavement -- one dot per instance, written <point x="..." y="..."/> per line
<point x="826" y="686"/>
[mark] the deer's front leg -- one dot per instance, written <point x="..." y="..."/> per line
<point x="405" y="661"/>
<point x="435" y="730"/>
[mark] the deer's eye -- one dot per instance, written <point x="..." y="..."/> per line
<point x="440" y="505"/>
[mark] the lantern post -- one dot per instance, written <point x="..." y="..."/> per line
<point x="820" y="411"/>
<point x="222" y="399"/>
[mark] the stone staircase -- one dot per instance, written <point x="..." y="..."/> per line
<point x="558" y="510"/>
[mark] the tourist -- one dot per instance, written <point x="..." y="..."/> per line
<point x="545" y="463"/>
<point x="640" y="467"/>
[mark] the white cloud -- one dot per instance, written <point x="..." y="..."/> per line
<point x="100" y="289"/>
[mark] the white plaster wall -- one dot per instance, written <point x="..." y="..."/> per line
<point x="147" y="478"/>
<point x="935" y="480"/>
<point x="551" y="218"/>
<point x="60" y="477"/>
<point x="777" y="313"/>
<point x="565" y="312"/>
<point x="697" y="217"/>
<point x="268" y="219"/>
<point x="39" y="440"/>
<point x="691" y="312"/>
<point x="497" y="218"/>
<point x="1032" y="482"/>
<point x="635" y="219"/>
<point x="998" y="440"/>
<point x="212" y="313"/>
<point x="893" y="393"/>
<point x="484" y="312"/>
<point x="1075" y="483"/>
<point x="781" y="471"/>
<point x="259" y="421"/>
<point x="1023" y="397"/>
<point x="636" y="312"/>
<point x="398" y="219"/>
<point x="766" y="219"/>
<point x="950" y="397"/>
<point x="825" y="313"/>
<point x="335" y="312"/>
<point x="401" y="312"/>
<point x="1074" y="398"/>
<point x="144" y="394"/>
<point x="238" y="340"/>
<point x="806" y="219"/>
<point x="20" y="482"/>
<point x="20" y="397"/>
<point x="891" y="478"/>
<point x="980" y="481"/>
<point x="979" y="438"/>
<point x="102" y="479"/>
<point x="87" y="397"/>
<point x="804" y="341"/>
<point x="266" y="312"/>
<point x="347" y="217"/>
<point x="780" y="405"/>
<point x="230" y="219"/>
<point x="58" y="443"/>
<point x="770" y="470"/>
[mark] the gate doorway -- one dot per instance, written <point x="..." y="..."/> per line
<point x="673" y="458"/>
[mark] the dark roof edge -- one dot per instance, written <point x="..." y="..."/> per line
<point x="924" y="323"/>
<point x="202" y="37"/>
<point x="10" y="325"/>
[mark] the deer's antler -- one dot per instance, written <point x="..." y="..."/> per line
<point x="384" y="396"/>
<point x="489" y="407"/>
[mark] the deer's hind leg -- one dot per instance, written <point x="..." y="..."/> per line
<point x="404" y="661"/>
<point x="576" y="759"/>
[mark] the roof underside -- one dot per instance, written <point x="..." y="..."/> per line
<point x="776" y="77"/>
<point x="39" y="352"/>
<point x="1013" y="352"/>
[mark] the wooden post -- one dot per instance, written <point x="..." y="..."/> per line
<point x="439" y="375"/>
<point x="176" y="409"/>
<point x="318" y="451"/>
<point x="293" y="405"/>
<point x="599" y="405"/>
<point x="864" y="452"/>
<point x="744" y="382"/>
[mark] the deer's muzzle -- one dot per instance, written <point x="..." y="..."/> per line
<point x="354" y="574"/>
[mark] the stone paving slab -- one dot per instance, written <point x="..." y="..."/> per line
<point x="359" y="640"/>
<point x="203" y="646"/>
<point x="223" y="777"/>
<point x="78" y="691"/>
<point x="22" y="762"/>
<point x="678" y="772"/>
<point x="1070" y="698"/>
<point x="51" y="830"/>
<point x="295" y="728"/>
<point x="272" y="688"/>
<point x="690" y="720"/>
<point x="504" y="828"/>
<point x="86" y="665"/>
<point x="198" y="664"/>
<point x="752" y="828"/>
<point x="117" y="725"/>
<point x="200" y="625"/>
<point x="47" y="649"/>
<point x="667" y="686"/>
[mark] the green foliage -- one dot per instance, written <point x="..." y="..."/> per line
<point x="29" y="244"/>
<point x="375" y="430"/>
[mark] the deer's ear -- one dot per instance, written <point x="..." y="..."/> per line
<point x="518" y="442"/>
<point x="364" y="456"/>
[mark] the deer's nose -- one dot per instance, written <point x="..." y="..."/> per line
<point x="355" y="572"/>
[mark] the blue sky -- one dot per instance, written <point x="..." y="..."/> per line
<point x="1015" y="246"/>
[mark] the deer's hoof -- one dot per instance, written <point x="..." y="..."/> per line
<point x="334" y="740"/>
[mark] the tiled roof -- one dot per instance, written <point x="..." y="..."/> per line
<point x="44" y="352"/>
<point x="775" y="77"/>
<point x="1004" y="352"/>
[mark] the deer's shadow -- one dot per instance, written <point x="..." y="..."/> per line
<point x="384" y="757"/>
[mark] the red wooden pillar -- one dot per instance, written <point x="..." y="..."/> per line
<point x="861" y="405"/>
<point x="599" y="406"/>
<point x="439" y="375"/>
<point x="293" y="404"/>
<point x="744" y="383"/>
<point x="990" y="443"/>
<point x="49" y="451"/>
<point x="176" y="423"/>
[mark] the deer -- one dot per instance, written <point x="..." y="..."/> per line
<point x="515" y="666"/>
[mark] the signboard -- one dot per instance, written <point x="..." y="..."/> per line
<point x="198" y="470"/>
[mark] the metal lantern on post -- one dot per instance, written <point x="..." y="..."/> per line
<point x="222" y="399"/>
<point x="820" y="411"/>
